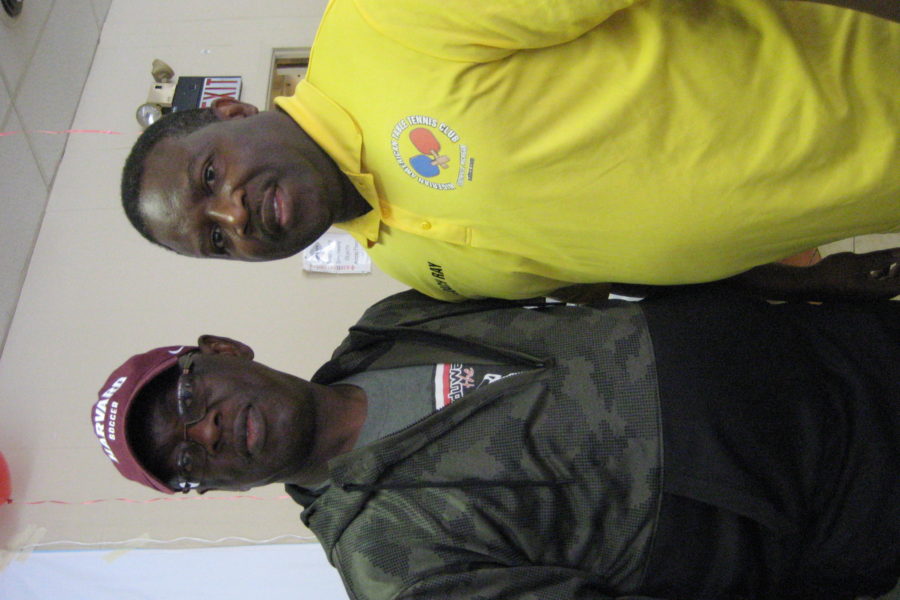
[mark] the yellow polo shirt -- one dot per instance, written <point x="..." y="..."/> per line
<point x="511" y="147"/>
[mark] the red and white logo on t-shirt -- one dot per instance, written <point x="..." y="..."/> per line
<point x="452" y="381"/>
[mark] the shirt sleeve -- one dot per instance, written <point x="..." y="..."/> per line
<point x="485" y="30"/>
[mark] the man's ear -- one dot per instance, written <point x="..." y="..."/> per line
<point x="229" y="108"/>
<point x="214" y="344"/>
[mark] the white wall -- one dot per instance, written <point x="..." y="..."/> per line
<point x="96" y="293"/>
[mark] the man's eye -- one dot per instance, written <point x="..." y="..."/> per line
<point x="185" y="462"/>
<point x="209" y="177"/>
<point x="217" y="238"/>
<point x="184" y="404"/>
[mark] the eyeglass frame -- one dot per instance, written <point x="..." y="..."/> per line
<point x="189" y="413"/>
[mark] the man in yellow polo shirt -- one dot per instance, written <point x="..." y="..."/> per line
<point x="508" y="149"/>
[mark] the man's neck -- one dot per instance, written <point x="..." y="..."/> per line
<point x="354" y="204"/>
<point x="340" y="413"/>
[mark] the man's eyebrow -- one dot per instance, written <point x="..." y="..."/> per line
<point x="193" y="188"/>
<point x="191" y="169"/>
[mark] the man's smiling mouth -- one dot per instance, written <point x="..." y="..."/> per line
<point x="282" y="208"/>
<point x="250" y="431"/>
<point x="271" y="211"/>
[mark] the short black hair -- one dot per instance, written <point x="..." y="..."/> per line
<point x="175" y="125"/>
<point x="138" y="431"/>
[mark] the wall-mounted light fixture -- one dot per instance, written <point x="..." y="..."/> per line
<point x="160" y="94"/>
<point x="13" y="7"/>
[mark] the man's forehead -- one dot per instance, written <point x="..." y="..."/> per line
<point x="161" y="210"/>
<point x="165" y="191"/>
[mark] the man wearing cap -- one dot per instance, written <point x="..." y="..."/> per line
<point x="696" y="445"/>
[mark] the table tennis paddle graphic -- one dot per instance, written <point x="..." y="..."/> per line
<point x="423" y="165"/>
<point x="427" y="163"/>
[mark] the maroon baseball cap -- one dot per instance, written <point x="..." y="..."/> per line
<point x="110" y="413"/>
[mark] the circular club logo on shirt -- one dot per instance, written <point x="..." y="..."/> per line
<point x="429" y="151"/>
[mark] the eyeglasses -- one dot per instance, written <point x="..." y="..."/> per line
<point x="190" y="457"/>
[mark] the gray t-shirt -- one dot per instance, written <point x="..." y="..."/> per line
<point x="399" y="397"/>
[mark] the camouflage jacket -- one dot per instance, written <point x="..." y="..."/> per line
<point x="545" y="484"/>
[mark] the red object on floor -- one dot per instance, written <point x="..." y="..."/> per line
<point x="804" y="259"/>
<point x="5" y="484"/>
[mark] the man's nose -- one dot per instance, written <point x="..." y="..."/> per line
<point x="228" y="208"/>
<point x="207" y="431"/>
